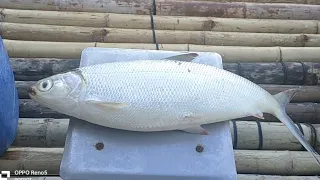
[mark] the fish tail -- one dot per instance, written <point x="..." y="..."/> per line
<point x="284" y="118"/>
<point x="283" y="99"/>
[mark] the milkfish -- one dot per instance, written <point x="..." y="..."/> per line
<point x="161" y="95"/>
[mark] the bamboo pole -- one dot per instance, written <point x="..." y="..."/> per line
<point x="274" y="136"/>
<point x="299" y="112"/>
<point x="261" y="54"/>
<point x="268" y="1"/>
<point x="176" y="8"/>
<point x="289" y="73"/>
<point x="275" y="162"/>
<point x="133" y="21"/>
<point x="41" y="32"/>
<point x="237" y="10"/>
<point x="274" y="177"/>
<point x="247" y="161"/>
<point x="114" y="6"/>
<point x="72" y="50"/>
<point x="48" y="132"/>
<point x="307" y="93"/>
<point x="239" y="177"/>
<point x="245" y="134"/>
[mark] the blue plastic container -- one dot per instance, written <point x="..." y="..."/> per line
<point x="9" y="102"/>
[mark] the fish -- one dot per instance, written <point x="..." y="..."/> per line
<point x="168" y="94"/>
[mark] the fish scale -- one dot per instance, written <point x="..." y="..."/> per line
<point x="161" y="95"/>
<point x="164" y="92"/>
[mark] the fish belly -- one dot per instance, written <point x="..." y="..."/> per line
<point x="159" y="97"/>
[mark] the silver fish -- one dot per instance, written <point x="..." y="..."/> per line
<point x="161" y="95"/>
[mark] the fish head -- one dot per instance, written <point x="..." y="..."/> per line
<point x="58" y="92"/>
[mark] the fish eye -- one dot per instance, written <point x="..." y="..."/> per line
<point x="45" y="85"/>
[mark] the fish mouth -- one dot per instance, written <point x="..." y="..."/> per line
<point x="31" y="91"/>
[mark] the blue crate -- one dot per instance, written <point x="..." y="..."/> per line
<point x="9" y="102"/>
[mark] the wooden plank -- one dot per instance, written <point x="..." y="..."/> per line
<point x="289" y="73"/>
<point x="133" y="21"/>
<point x="299" y="112"/>
<point x="247" y="161"/>
<point x="72" y="50"/>
<point x="274" y="135"/>
<point x="176" y="8"/>
<point x="42" y="32"/>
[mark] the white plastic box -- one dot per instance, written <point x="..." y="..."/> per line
<point x="128" y="155"/>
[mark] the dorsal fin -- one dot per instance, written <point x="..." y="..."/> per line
<point x="285" y="97"/>
<point x="183" y="57"/>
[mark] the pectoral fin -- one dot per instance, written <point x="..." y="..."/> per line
<point x="107" y="105"/>
<point x="258" y="115"/>
<point x="183" y="57"/>
<point x="196" y="130"/>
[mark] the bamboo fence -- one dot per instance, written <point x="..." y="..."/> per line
<point x="134" y="21"/>
<point x="176" y="8"/>
<point x="245" y="134"/>
<point x="72" y="50"/>
<point x="46" y="37"/>
<point x="247" y="161"/>
<point x="299" y="112"/>
<point x="286" y="73"/>
<point x="40" y="32"/>
<point x="240" y="177"/>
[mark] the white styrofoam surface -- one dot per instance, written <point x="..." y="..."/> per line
<point x="92" y="56"/>
<point x="146" y="156"/>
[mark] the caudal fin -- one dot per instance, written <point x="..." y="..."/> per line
<point x="283" y="99"/>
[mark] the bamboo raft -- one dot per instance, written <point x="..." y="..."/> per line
<point x="49" y="132"/>
<point x="135" y="21"/>
<point x="274" y="43"/>
<point x="31" y="32"/>
<point x="287" y="163"/>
